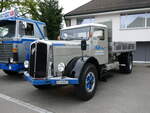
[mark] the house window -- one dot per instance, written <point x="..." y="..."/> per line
<point x="148" y="19"/>
<point x="133" y="21"/>
<point x="123" y="21"/>
<point x="68" y="22"/>
<point x="137" y="20"/>
<point x="85" y="20"/>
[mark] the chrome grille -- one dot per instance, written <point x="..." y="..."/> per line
<point x="5" y="52"/>
<point x="41" y="61"/>
<point x="32" y="60"/>
<point x="38" y="60"/>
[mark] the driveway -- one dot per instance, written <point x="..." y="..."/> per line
<point x="122" y="93"/>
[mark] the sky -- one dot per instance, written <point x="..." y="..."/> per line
<point x="70" y="5"/>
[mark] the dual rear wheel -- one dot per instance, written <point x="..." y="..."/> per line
<point x="126" y="63"/>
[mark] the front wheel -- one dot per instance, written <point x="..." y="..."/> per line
<point x="88" y="82"/>
<point x="10" y="72"/>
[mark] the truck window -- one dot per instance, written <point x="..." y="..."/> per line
<point x="7" y="29"/>
<point x="26" y="29"/>
<point x="75" y="33"/>
<point x="99" y="33"/>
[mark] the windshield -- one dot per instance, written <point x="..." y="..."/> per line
<point x="7" y="29"/>
<point x="75" y="34"/>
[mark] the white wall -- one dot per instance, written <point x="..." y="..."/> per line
<point x="119" y="34"/>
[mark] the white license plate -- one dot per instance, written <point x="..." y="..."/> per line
<point x="62" y="82"/>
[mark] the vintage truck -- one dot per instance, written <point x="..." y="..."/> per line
<point x="79" y="58"/>
<point x="16" y="34"/>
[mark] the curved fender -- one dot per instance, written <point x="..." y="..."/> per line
<point x="69" y="68"/>
<point x="80" y="64"/>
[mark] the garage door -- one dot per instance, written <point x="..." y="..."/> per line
<point x="142" y="52"/>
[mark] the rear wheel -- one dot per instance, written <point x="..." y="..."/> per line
<point x="126" y="63"/>
<point x="11" y="72"/>
<point x="88" y="82"/>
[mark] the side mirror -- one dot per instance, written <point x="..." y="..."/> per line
<point x="83" y="45"/>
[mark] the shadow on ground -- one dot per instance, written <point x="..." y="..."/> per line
<point x="11" y="78"/>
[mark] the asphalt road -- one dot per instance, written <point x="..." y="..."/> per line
<point x="122" y="93"/>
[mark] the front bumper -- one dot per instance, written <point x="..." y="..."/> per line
<point x="12" y="67"/>
<point x="51" y="81"/>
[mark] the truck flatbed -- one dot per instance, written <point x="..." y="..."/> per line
<point x="119" y="47"/>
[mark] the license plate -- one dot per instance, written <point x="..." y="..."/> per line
<point x="62" y="82"/>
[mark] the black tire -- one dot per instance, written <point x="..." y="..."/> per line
<point x="10" y="72"/>
<point x="83" y="92"/>
<point x="126" y="63"/>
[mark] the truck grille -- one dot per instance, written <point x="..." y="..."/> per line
<point x="5" y="52"/>
<point x="38" y="69"/>
<point x="32" y="60"/>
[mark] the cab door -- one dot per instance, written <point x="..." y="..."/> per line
<point x="26" y="34"/>
<point x="100" y="44"/>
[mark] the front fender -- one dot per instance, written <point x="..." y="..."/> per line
<point x="79" y="65"/>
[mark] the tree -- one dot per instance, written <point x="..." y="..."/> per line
<point x="7" y="4"/>
<point x="47" y="11"/>
<point x="50" y="13"/>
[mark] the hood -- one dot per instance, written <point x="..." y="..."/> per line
<point x="64" y="48"/>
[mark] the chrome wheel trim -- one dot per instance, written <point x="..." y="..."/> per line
<point x="90" y="82"/>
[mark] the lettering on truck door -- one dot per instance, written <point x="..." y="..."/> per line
<point x="100" y="45"/>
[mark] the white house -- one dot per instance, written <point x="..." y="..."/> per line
<point x="129" y="20"/>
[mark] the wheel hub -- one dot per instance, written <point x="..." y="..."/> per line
<point x="90" y="82"/>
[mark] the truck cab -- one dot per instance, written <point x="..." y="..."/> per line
<point x="16" y="34"/>
<point x="79" y="58"/>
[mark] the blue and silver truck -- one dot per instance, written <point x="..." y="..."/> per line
<point x="79" y="58"/>
<point x="16" y="34"/>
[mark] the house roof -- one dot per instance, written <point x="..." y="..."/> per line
<point x="101" y="6"/>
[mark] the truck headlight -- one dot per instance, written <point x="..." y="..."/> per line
<point x="26" y="64"/>
<point x="11" y="60"/>
<point x="61" y="67"/>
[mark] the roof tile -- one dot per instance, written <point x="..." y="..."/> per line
<point x="98" y="6"/>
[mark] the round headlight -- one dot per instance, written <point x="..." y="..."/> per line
<point x="61" y="67"/>
<point x="11" y="60"/>
<point x="26" y="64"/>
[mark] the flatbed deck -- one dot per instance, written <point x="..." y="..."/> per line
<point x="119" y="47"/>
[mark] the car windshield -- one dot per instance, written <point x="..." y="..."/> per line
<point x="75" y="33"/>
<point x="7" y="29"/>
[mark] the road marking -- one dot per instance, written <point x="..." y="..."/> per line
<point x="24" y="104"/>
